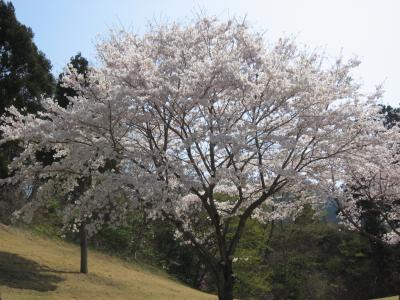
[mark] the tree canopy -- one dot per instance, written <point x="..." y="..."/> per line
<point x="24" y="70"/>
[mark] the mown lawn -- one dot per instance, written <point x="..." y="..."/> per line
<point x="34" y="267"/>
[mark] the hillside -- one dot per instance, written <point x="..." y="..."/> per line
<point x="33" y="267"/>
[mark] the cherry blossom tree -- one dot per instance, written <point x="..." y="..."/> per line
<point x="83" y="175"/>
<point x="203" y="121"/>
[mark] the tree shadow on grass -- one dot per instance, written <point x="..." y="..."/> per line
<point x="19" y="272"/>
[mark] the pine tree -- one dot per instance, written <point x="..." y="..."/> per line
<point x="24" y="70"/>
<point x="24" y="77"/>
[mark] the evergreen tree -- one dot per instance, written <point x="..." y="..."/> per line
<point x="24" y="77"/>
<point x="392" y="115"/>
<point x="24" y="70"/>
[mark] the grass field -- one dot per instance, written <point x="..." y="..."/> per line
<point x="33" y="267"/>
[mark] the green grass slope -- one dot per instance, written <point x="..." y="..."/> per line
<point x="33" y="267"/>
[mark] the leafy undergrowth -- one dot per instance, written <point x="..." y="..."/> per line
<point x="34" y="267"/>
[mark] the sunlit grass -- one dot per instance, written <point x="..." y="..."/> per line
<point x="34" y="267"/>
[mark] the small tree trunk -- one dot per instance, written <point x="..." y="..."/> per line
<point x="84" y="250"/>
<point x="225" y="284"/>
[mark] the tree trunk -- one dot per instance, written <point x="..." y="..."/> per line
<point x="84" y="250"/>
<point x="225" y="281"/>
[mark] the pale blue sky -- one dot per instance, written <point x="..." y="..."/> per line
<point x="367" y="28"/>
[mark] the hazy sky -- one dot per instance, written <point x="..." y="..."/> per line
<point x="369" y="29"/>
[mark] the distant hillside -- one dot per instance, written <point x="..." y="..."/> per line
<point x="33" y="268"/>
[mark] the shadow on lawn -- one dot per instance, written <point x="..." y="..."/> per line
<point x="19" y="272"/>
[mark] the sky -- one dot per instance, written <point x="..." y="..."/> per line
<point x="368" y="29"/>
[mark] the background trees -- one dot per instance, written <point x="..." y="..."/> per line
<point x="24" y="77"/>
<point x="24" y="70"/>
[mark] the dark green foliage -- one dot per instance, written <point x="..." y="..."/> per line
<point x="7" y="152"/>
<point x="252" y="275"/>
<point x="310" y="259"/>
<point x="177" y="257"/>
<point x="391" y="115"/>
<point x="24" y="70"/>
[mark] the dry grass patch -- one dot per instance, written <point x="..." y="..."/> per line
<point x="33" y="267"/>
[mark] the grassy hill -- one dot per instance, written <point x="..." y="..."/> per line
<point x="33" y="267"/>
